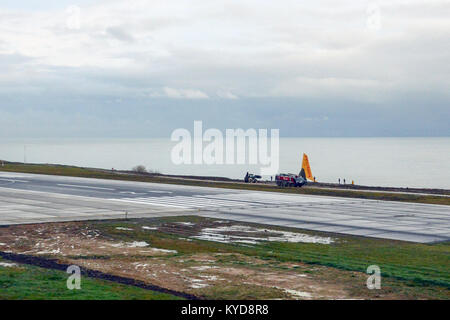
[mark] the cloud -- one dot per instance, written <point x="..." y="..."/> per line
<point x="379" y="54"/>
<point x="226" y="95"/>
<point x="184" y="93"/>
<point x="257" y="48"/>
<point x="120" y="34"/>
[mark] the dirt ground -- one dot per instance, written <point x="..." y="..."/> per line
<point x="213" y="275"/>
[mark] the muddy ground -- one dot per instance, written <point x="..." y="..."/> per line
<point x="212" y="273"/>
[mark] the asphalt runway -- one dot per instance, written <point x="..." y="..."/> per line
<point x="30" y="198"/>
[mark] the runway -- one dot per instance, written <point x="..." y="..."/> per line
<point x="30" y="198"/>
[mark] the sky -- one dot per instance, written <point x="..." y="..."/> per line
<point x="138" y="68"/>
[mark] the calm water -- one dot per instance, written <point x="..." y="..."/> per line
<point x="402" y="162"/>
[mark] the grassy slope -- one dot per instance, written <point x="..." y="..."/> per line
<point x="91" y="173"/>
<point x="418" y="264"/>
<point x="34" y="283"/>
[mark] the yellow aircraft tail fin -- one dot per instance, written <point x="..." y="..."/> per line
<point x="307" y="168"/>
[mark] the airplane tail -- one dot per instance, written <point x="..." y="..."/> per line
<point x="306" y="168"/>
<point x="302" y="174"/>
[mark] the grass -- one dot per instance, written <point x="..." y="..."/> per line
<point x="409" y="270"/>
<point x="24" y="282"/>
<point x="104" y="174"/>
<point x="418" y="264"/>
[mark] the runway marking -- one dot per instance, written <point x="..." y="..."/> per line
<point x="157" y="191"/>
<point x="148" y="202"/>
<point x="187" y="202"/>
<point x="226" y="200"/>
<point x="130" y="192"/>
<point x="14" y="180"/>
<point x="254" y="198"/>
<point x="85" y="187"/>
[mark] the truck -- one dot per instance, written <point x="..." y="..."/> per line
<point x="251" y="178"/>
<point x="284" y="180"/>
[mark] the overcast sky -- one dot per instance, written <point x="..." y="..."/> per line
<point x="142" y="68"/>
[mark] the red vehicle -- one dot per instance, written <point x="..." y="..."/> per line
<point x="289" y="180"/>
<point x="293" y="180"/>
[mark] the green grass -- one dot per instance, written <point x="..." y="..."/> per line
<point x="419" y="264"/>
<point x="407" y="269"/>
<point x="105" y="174"/>
<point x="26" y="282"/>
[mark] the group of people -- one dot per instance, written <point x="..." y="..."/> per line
<point x="339" y="181"/>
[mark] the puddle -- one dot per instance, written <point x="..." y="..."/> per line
<point x="296" y="293"/>
<point x="203" y="268"/>
<point x="8" y="265"/>
<point x="56" y="251"/>
<point x="140" y="265"/>
<point x="149" y="228"/>
<point x="164" y="250"/>
<point x="186" y="223"/>
<point x="198" y="284"/>
<point x="250" y="235"/>
<point x="134" y="244"/>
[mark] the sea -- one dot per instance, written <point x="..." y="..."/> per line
<point x="393" y="162"/>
